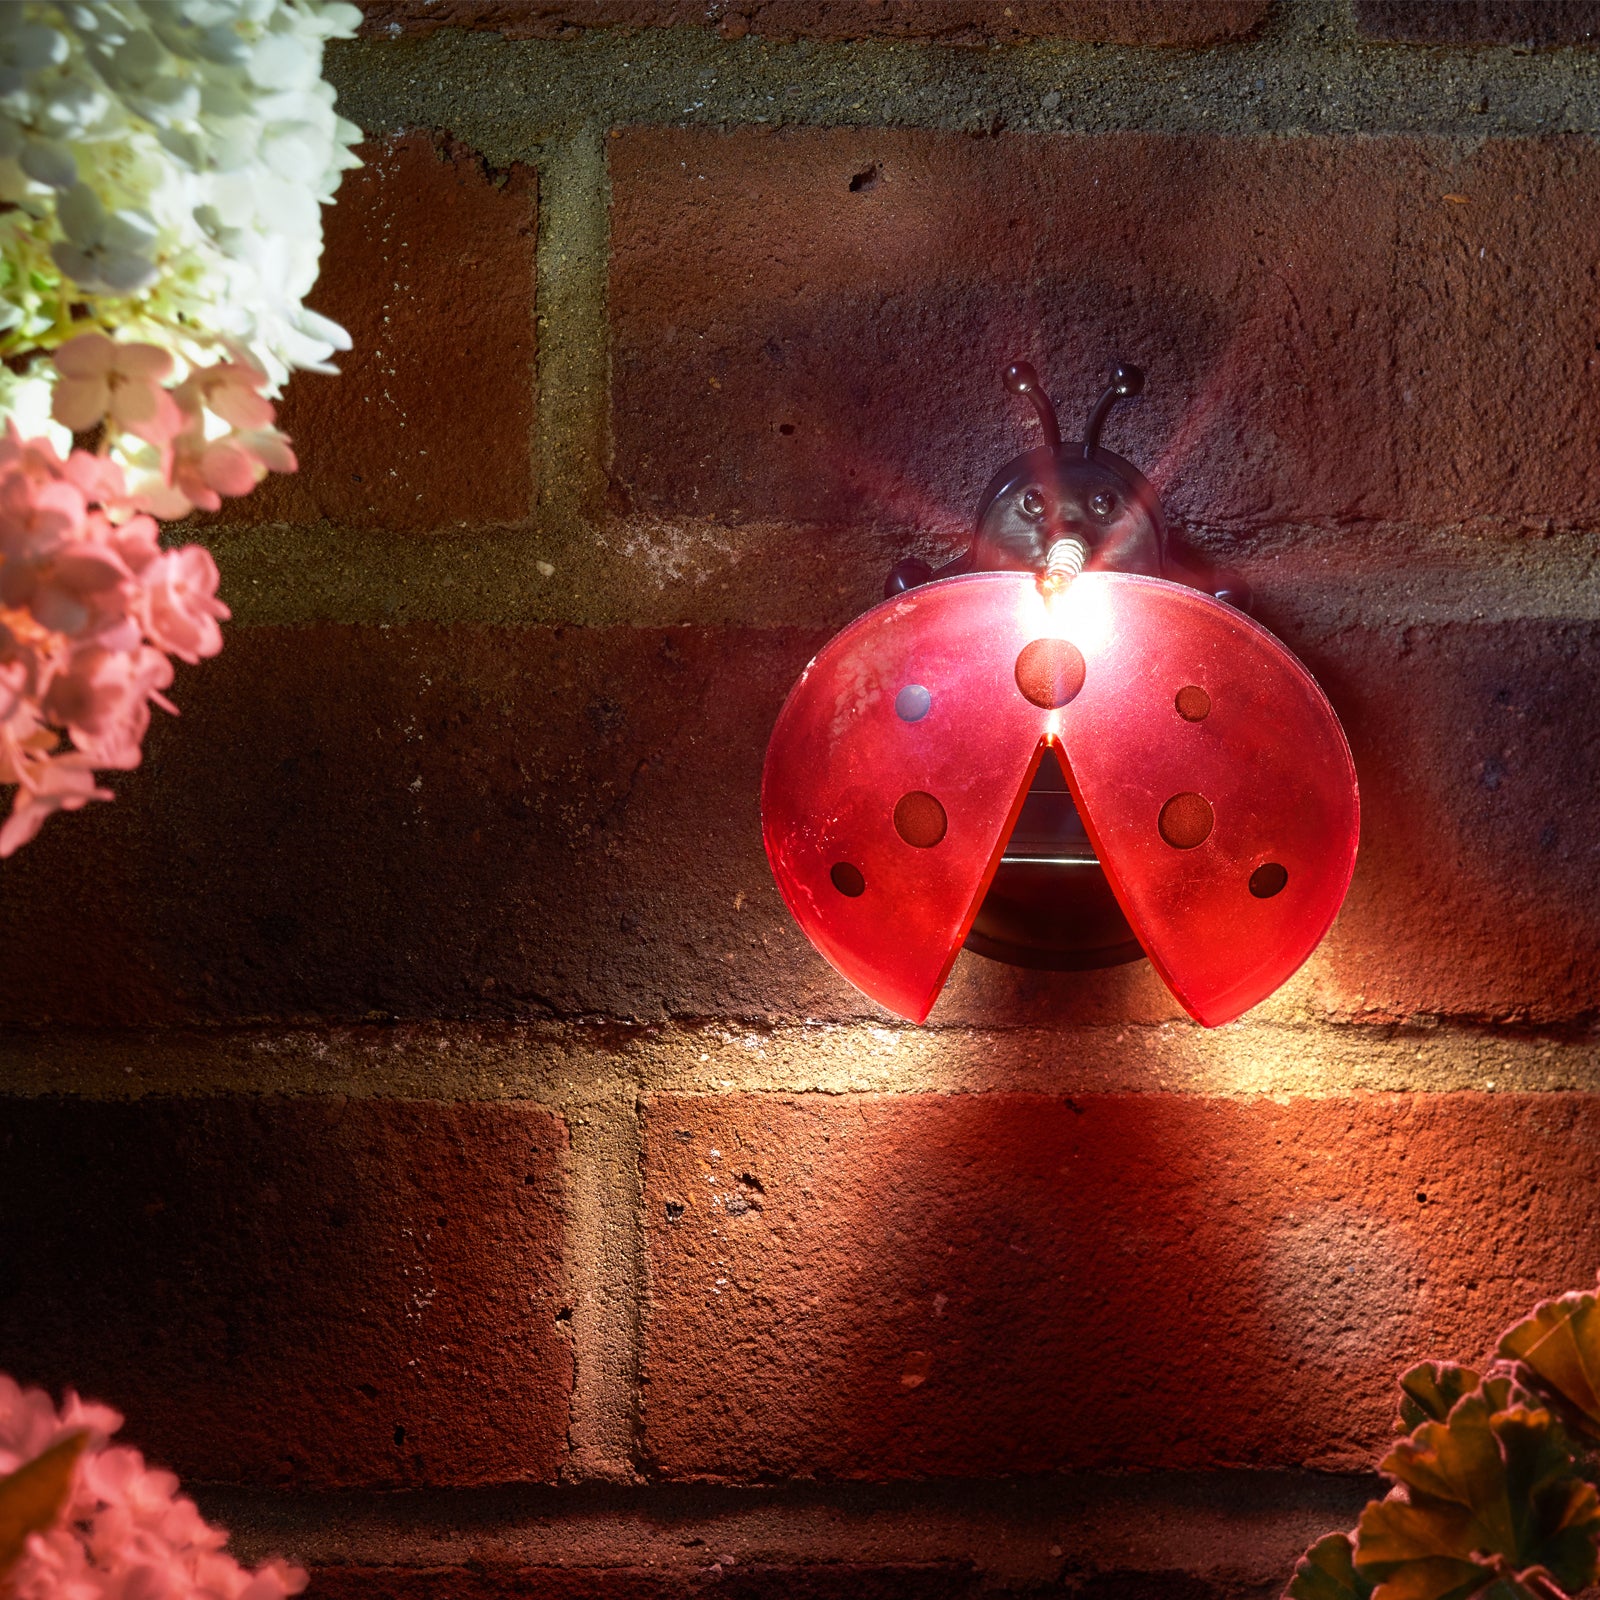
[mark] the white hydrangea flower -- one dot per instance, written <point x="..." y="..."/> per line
<point x="25" y="400"/>
<point x="163" y="164"/>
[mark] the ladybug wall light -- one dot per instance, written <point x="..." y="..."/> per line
<point x="1064" y="749"/>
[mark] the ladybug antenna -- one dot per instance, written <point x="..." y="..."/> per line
<point x="1125" y="383"/>
<point x="1020" y="378"/>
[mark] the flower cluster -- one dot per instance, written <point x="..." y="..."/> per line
<point x="162" y="168"/>
<point x="124" y="1529"/>
<point x="91" y="607"/>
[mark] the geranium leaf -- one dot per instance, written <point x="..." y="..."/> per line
<point x="1416" y="1557"/>
<point x="1491" y="1579"/>
<point x="1436" y="1578"/>
<point x="1456" y="1464"/>
<point x="1482" y="1484"/>
<point x="32" y="1497"/>
<point x="1327" y="1572"/>
<point x="1532" y="1583"/>
<point x="1536" y="1581"/>
<point x="1560" y="1342"/>
<point x="1429" y="1391"/>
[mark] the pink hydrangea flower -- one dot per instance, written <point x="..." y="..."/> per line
<point x="99" y="479"/>
<point x="125" y="1533"/>
<point x="92" y="608"/>
<point x="135" y="541"/>
<point x="101" y="697"/>
<point x="36" y="459"/>
<point x="37" y="516"/>
<point x="65" y="783"/>
<point x="179" y="606"/>
<point x="207" y="470"/>
<point x="102" y="380"/>
<point x="78" y="589"/>
<point x="231" y="389"/>
<point x="19" y="674"/>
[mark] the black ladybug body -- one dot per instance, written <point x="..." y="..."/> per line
<point x="1072" y="489"/>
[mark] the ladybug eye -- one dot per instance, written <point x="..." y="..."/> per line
<point x="1032" y="503"/>
<point x="1103" y="503"/>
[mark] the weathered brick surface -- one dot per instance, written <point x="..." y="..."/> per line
<point x="307" y="1295"/>
<point x="868" y="1286"/>
<point x="476" y="822"/>
<point x="1138" y="22"/>
<point x="317" y="1291"/>
<point x="754" y="1581"/>
<point x="1520" y="22"/>
<point x="429" y="265"/>
<point x="763" y="1580"/>
<point x="810" y="323"/>
<point x="427" y="821"/>
<point x="1476" y="886"/>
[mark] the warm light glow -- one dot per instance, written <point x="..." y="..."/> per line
<point x="1080" y="612"/>
<point x="1035" y="615"/>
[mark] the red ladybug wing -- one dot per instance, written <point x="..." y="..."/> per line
<point x="890" y="914"/>
<point x="1210" y="771"/>
<point x="1188" y="705"/>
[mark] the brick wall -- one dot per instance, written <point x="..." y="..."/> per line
<point x="423" y="1118"/>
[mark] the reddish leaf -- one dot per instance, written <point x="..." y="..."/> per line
<point x="1481" y="1484"/>
<point x="1560" y="1344"/>
<point x="32" y="1497"/>
<point x="1429" y="1391"/>
<point x="1327" y="1572"/>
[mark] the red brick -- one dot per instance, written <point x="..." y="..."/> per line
<point x="1477" y="882"/>
<point x="1137" y="22"/>
<point x="321" y="1292"/>
<point x="1497" y="374"/>
<point x="880" y="1286"/>
<point x="429" y="265"/>
<point x="809" y="324"/>
<point x="471" y="822"/>
<point x="746" y="1581"/>
<point x="428" y="821"/>
<point x="1518" y="22"/>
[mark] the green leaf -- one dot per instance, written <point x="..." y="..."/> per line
<point x="1483" y="1483"/>
<point x="1429" y="1391"/>
<point x="1327" y="1572"/>
<point x="1560" y="1342"/>
<point x="32" y="1497"/>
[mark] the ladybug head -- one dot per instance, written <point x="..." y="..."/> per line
<point x="1063" y="489"/>
<point x="1072" y="489"/>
